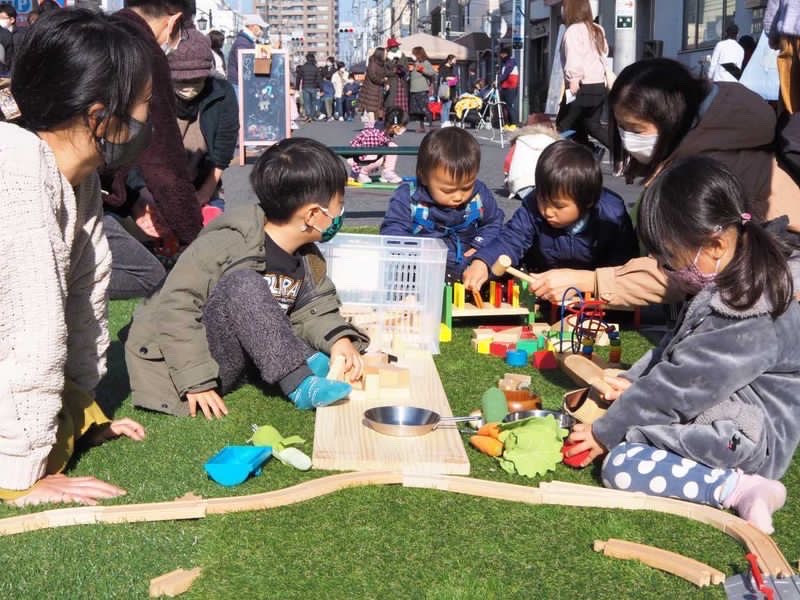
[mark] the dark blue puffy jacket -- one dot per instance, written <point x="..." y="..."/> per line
<point x="607" y="240"/>
<point x="447" y="223"/>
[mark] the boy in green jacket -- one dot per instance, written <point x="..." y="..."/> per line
<point x="252" y="290"/>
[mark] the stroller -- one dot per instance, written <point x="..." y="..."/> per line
<point x="468" y="110"/>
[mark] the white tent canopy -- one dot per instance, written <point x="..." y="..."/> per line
<point x="436" y="48"/>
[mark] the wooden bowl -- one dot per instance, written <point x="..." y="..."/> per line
<point x="522" y="400"/>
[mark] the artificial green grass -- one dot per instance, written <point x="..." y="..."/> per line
<point x="374" y="542"/>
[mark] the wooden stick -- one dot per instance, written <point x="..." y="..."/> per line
<point x="173" y="583"/>
<point x="503" y="265"/>
<point x="580" y="368"/>
<point x="687" y="568"/>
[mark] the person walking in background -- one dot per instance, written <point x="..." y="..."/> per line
<point x="308" y="80"/>
<point x="381" y="135"/>
<point x="728" y="57"/>
<point x="397" y="70"/>
<point x="350" y="99"/>
<point x="448" y="80"/>
<point x="217" y="39"/>
<point x="583" y="54"/>
<point x="339" y="80"/>
<point x="420" y="77"/>
<point x="370" y="98"/>
<point x="509" y="84"/>
<point x="327" y="92"/>
<point x="246" y="39"/>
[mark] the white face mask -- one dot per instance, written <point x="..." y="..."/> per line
<point x="189" y="90"/>
<point x="639" y="145"/>
<point x="5" y="23"/>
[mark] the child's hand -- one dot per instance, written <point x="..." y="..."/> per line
<point x="475" y="275"/>
<point x="583" y="439"/>
<point x="117" y="428"/>
<point x="209" y="401"/>
<point x="353" y="365"/>
<point x="618" y="385"/>
<point x="59" y="488"/>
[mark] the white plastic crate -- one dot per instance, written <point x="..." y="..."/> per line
<point x="390" y="286"/>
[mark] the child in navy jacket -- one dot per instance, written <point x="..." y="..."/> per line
<point x="449" y="202"/>
<point x="567" y="221"/>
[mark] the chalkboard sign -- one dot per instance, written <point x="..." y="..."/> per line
<point x="263" y="102"/>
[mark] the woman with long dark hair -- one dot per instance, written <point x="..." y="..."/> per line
<point x="83" y="86"/>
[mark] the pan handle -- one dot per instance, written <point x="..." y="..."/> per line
<point x="455" y="419"/>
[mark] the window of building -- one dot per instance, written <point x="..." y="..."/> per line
<point x="704" y="21"/>
<point x="758" y="22"/>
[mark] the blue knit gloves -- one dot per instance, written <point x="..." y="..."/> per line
<point x="316" y="391"/>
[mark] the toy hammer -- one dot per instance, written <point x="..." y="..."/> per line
<point x="503" y="265"/>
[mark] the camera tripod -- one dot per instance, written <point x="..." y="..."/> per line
<point x="492" y="103"/>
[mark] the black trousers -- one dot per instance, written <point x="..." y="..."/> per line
<point x="583" y="114"/>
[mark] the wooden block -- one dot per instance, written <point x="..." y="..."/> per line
<point x="173" y="583"/>
<point x="445" y="333"/>
<point x="372" y="385"/>
<point x="511" y="335"/>
<point x="336" y="371"/>
<point x="544" y="360"/>
<point x="390" y="376"/>
<point x="375" y="359"/>
<point x="519" y="378"/>
<point x="500" y="349"/>
<point x="483" y="334"/>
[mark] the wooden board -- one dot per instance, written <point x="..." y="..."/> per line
<point x="343" y="443"/>
<point x="488" y="310"/>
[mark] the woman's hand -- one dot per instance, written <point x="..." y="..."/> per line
<point x="59" y="488"/>
<point x="552" y="284"/>
<point x="475" y="275"/>
<point x="618" y="385"/>
<point x="147" y="216"/>
<point x="583" y="440"/>
<point x="209" y="401"/>
<point x="353" y="365"/>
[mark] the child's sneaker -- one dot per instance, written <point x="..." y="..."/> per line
<point x="316" y="391"/>
<point x="391" y="177"/>
<point x="364" y="178"/>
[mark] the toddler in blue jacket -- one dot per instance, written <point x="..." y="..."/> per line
<point x="569" y="220"/>
<point x="450" y="202"/>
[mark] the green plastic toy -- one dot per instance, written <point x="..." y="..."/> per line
<point x="282" y="447"/>
<point x="532" y="446"/>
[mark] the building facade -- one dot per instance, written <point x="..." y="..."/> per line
<point x="302" y="26"/>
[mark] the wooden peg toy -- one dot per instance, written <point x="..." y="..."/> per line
<point x="503" y="265"/>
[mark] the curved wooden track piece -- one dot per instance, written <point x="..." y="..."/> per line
<point x="687" y="568"/>
<point x="771" y="560"/>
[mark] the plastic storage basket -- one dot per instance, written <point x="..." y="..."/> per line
<point x="390" y="286"/>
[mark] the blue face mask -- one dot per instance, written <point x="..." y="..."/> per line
<point x="331" y="230"/>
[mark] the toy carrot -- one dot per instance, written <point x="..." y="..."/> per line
<point x="487" y="445"/>
<point x="491" y="430"/>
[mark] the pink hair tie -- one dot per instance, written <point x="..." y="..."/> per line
<point x="746" y="218"/>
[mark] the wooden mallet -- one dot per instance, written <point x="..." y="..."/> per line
<point x="503" y="265"/>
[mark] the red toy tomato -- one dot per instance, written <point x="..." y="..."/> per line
<point x="573" y="461"/>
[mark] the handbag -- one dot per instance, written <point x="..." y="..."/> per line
<point x="444" y="90"/>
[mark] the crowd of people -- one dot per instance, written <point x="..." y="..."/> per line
<point x="146" y="123"/>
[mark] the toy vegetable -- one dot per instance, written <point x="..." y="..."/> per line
<point x="267" y="435"/>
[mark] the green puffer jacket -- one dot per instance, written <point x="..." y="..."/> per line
<point x="167" y="351"/>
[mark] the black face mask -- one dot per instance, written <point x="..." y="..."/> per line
<point x="122" y="154"/>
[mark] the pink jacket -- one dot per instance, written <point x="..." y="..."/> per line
<point x="579" y="57"/>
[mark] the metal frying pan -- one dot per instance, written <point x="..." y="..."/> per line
<point x="405" y="421"/>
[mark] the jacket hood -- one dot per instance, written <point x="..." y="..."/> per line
<point x="246" y="220"/>
<point x="736" y="119"/>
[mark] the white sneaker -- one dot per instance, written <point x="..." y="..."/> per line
<point x="447" y="124"/>
<point x="391" y="177"/>
<point x="294" y="125"/>
<point x="341" y="118"/>
<point x="364" y="178"/>
<point x="321" y="118"/>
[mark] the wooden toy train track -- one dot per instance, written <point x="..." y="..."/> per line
<point x="771" y="560"/>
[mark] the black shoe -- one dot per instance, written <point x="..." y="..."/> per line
<point x="599" y="152"/>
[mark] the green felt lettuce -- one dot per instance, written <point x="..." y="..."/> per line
<point x="532" y="446"/>
<point x="282" y="449"/>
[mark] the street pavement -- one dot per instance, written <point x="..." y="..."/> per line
<point x="367" y="207"/>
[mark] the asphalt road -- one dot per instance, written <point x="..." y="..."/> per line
<point x="367" y="207"/>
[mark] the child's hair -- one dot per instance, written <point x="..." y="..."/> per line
<point x="295" y="172"/>
<point x="661" y="91"/>
<point x="697" y="197"/>
<point x="568" y="169"/>
<point x="394" y="116"/>
<point x="451" y="149"/>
